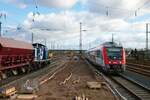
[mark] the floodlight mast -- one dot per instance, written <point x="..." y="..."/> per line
<point x="0" y="28"/>
<point x="147" y="31"/>
<point x="80" y="40"/>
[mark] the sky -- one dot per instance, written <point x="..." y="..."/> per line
<point x="58" y="22"/>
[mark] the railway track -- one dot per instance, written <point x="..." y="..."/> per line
<point x="36" y="76"/>
<point x="141" y="69"/>
<point x="72" y="79"/>
<point x="117" y="95"/>
<point x="17" y="77"/>
<point x="52" y="74"/>
<point x="125" y="88"/>
<point x="14" y="78"/>
<point x="139" y="91"/>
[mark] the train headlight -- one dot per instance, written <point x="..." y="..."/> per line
<point x="109" y="62"/>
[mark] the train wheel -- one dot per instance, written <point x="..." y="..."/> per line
<point x="4" y="76"/>
<point x="23" y="70"/>
<point x="29" y="68"/>
<point x="123" y="68"/>
<point x="40" y="65"/>
<point x="0" y="76"/>
<point x="15" y="72"/>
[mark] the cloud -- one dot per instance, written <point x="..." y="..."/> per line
<point x="64" y="27"/>
<point x="61" y="4"/>
<point x="19" y="3"/>
<point x="117" y="8"/>
<point x="57" y="3"/>
<point x="22" y="34"/>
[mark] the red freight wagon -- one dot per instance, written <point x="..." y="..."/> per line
<point x="14" y="55"/>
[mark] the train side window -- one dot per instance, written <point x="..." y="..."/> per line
<point x="101" y="55"/>
<point x="98" y="53"/>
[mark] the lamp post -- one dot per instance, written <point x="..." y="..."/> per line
<point x="80" y="41"/>
<point x="2" y="15"/>
<point x="147" y="31"/>
<point x="0" y="28"/>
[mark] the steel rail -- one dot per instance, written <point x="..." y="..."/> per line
<point x="139" y="91"/>
<point x="113" y="89"/>
<point x="17" y="79"/>
<point x="141" y="69"/>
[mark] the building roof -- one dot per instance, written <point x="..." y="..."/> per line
<point x="7" y="42"/>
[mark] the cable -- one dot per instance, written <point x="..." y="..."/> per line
<point x="36" y="12"/>
<point x="36" y="6"/>
<point x="145" y="3"/>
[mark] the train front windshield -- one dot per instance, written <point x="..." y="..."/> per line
<point x="114" y="53"/>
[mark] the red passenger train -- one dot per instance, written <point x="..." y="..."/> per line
<point x="109" y="56"/>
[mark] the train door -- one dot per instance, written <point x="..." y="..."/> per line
<point x="99" y="57"/>
<point x="41" y="53"/>
<point x="35" y="54"/>
<point x="92" y="56"/>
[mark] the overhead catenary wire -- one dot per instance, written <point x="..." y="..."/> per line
<point x="109" y="9"/>
<point x="36" y="12"/>
<point x="145" y="3"/>
<point x="140" y="7"/>
<point x="37" y="9"/>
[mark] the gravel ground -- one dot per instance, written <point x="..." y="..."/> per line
<point x="144" y="80"/>
<point x="31" y="76"/>
<point x="79" y="74"/>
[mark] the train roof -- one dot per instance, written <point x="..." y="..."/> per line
<point x="39" y="44"/>
<point x="111" y="44"/>
<point x="105" y="44"/>
<point x="11" y="43"/>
